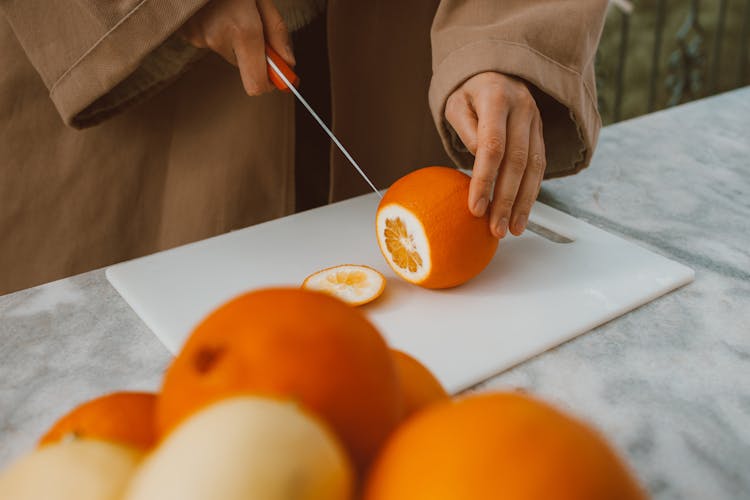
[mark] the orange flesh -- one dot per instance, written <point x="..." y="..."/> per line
<point x="401" y="246"/>
<point x="349" y="278"/>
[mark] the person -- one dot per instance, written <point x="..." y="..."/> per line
<point x="132" y="126"/>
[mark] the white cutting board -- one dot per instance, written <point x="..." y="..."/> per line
<point x="534" y="295"/>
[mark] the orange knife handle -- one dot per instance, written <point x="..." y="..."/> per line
<point x="284" y="67"/>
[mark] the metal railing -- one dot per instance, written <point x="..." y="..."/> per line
<point x="631" y="61"/>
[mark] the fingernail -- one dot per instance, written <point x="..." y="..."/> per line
<point x="520" y="223"/>
<point x="501" y="227"/>
<point x="480" y="206"/>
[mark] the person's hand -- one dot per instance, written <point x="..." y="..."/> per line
<point x="237" y="30"/>
<point x="496" y="118"/>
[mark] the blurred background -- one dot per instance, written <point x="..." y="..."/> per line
<point x="660" y="53"/>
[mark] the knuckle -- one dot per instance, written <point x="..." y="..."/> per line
<point x="496" y="87"/>
<point x="451" y="110"/>
<point x="452" y="100"/>
<point x="455" y="103"/>
<point x="279" y="27"/>
<point x="494" y="145"/>
<point x="485" y="181"/>
<point x="496" y="94"/>
<point x="196" y="41"/>
<point x="526" y="103"/>
<point x="517" y="161"/>
<point x="538" y="163"/>
<point x="504" y="204"/>
<point x="213" y="40"/>
<point x="235" y="31"/>
<point x="245" y="29"/>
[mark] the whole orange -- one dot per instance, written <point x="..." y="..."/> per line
<point x="419" y="387"/>
<point x="498" y="446"/>
<point x="120" y="417"/>
<point x="426" y="232"/>
<point x="290" y="344"/>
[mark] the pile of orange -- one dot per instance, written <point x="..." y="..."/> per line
<point x="289" y="343"/>
<point x="287" y="388"/>
<point x="288" y="393"/>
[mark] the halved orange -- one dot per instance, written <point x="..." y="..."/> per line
<point x="426" y="232"/>
<point x="354" y="284"/>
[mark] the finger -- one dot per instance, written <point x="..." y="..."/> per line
<point x="532" y="179"/>
<point x="460" y="114"/>
<point x="221" y="43"/>
<point x="511" y="171"/>
<point x="191" y="34"/>
<point x="275" y="30"/>
<point x="249" y="46"/>
<point x="544" y="152"/>
<point x="491" y="128"/>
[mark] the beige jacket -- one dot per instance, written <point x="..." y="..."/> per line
<point x="117" y="140"/>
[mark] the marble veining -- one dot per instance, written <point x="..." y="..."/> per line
<point x="63" y="343"/>
<point x="668" y="383"/>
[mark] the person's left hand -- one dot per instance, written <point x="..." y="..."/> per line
<point x="498" y="121"/>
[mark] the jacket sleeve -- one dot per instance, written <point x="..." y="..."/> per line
<point x="550" y="44"/>
<point x="97" y="57"/>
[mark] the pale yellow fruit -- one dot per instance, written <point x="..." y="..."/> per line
<point x="81" y="469"/>
<point x="246" y="448"/>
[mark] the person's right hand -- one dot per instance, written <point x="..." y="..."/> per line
<point x="238" y="30"/>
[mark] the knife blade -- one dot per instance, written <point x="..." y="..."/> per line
<point x="286" y="82"/>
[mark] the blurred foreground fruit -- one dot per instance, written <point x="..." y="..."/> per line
<point x="426" y="232"/>
<point x="81" y="469"/>
<point x="419" y="386"/>
<point x="120" y="417"/>
<point x="498" y="446"/>
<point x="356" y="285"/>
<point x="246" y="448"/>
<point x="291" y="344"/>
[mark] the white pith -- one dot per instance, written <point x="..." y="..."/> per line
<point x="417" y="241"/>
<point x="325" y="281"/>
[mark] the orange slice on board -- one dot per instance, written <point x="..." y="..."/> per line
<point x="354" y="284"/>
<point x="426" y="232"/>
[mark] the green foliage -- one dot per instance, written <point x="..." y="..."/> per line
<point x="706" y="76"/>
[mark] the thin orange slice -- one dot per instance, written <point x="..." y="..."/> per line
<point x="354" y="284"/>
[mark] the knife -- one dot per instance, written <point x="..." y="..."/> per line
<point x="284" y="79"/>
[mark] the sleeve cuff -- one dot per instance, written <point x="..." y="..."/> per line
<point x="135" y="58"/>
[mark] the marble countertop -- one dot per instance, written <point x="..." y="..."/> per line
<point x="668" y="383"/>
